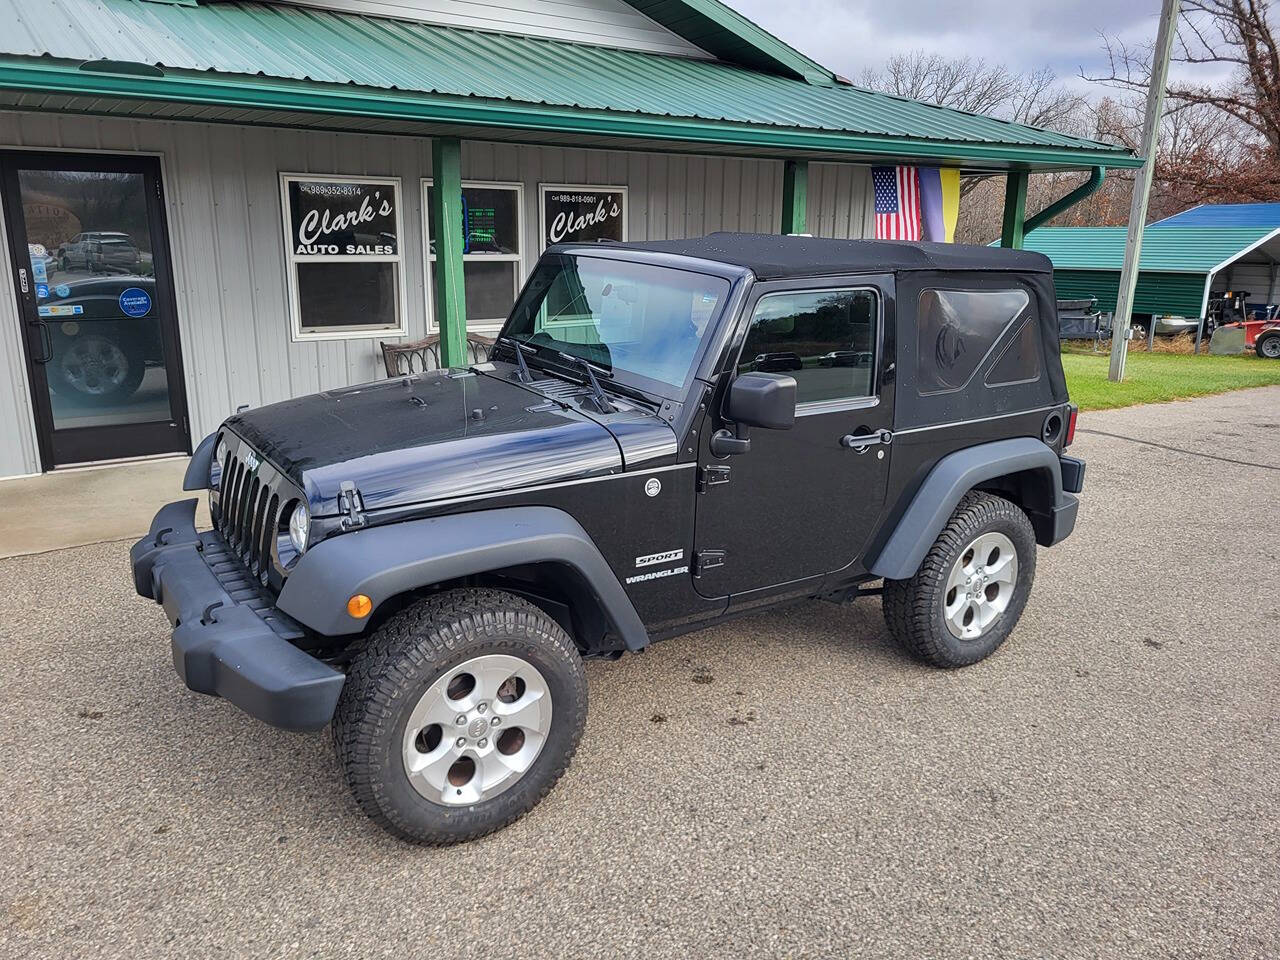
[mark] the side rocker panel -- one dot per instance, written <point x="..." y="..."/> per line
<point x="383" y="562"/>
<point x="954" y="475"/>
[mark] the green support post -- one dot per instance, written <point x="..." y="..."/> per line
<point x="795" y="192"/>
<point x="446" y="229"/>
<point x="1015" y="209"/>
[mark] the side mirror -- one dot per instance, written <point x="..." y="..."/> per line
<point x="766" y="400"/>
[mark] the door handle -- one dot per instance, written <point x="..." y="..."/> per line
<point x="859" y="443"/>
<point x="46" y="341"/>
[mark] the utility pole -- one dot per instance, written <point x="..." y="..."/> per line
<point x="1142" y="190"/>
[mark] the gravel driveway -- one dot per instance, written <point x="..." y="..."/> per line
<point x="783" y="785"/>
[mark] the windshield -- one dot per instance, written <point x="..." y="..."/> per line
<point x="625" y="317"/>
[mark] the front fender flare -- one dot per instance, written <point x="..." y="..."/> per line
<point x="386" y="561"/>
<point x="950" y="479"/>
<point x="197" y="475"/>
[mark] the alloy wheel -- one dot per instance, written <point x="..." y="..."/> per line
<point x="980" y="586"/>
<point x="477" y="730"/>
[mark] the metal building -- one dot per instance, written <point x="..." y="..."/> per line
<point x="208" y="204"/>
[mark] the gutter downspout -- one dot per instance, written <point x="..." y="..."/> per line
<point x="1089" y="187"/>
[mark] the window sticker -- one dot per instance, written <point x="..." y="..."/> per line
<point x="60" y="310"/>
<point x="135" y="302"/>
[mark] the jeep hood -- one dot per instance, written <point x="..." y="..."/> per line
<point x="417" y="439"/>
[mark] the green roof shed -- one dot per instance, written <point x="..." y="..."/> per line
<point x="1179" y="267"/>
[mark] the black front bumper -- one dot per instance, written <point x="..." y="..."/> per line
<point x="228" y="641"/>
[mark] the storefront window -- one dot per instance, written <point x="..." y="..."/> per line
<point x="345" y="265"/>
<point x="492" y="263"/>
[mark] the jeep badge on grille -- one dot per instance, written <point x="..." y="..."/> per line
<point x="251" y="461"/>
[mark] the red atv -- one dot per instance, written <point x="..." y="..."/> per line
<point x="1261" y="327"/>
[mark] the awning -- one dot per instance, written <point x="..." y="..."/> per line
<point x="260" y="57"/>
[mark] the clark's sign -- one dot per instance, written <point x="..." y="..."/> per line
<point x="577" y="214"/>
<point x="342" y="218"/>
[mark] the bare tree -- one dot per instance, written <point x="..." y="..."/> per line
<point x="976" y="86"/>
<point x="1219" y="141"/>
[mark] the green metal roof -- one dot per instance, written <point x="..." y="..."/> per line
<point x="1172" y="249"/>
<point x="277" y="57"/>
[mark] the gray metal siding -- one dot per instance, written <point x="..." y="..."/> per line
<point x="18" y="453"/>
<point x="223" y="204"/>
<point x="1260" y="279"/>
<point x="608" y="23"/>
<point x="840" y="201"/>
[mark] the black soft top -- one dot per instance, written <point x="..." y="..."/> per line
<point x="773" y="257"/>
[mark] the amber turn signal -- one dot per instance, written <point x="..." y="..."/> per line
<point x="359" y="606"/>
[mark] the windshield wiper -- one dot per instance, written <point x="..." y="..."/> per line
<point x="602" y="402"/>
<point x="523" y="373"/>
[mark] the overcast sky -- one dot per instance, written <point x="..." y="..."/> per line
<point x="848" y="35"/>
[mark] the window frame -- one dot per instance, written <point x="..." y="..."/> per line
<point x="837" y="404"/>
<point x="486" y="326"/>
<point x="291" y="261"/>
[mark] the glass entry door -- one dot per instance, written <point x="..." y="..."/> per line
<point x="91" y="273"/>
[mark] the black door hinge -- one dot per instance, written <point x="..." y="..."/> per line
<point x="706" y="560"/>
<point x="351" y="503"/>
<point x="710" y="475"/>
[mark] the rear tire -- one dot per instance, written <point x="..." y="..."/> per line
<point x="483" y="656"/>
<point x="1268" y="345"/>
<point x="971" y="587"/>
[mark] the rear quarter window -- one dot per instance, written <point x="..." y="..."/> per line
<point x="957" y="330"/>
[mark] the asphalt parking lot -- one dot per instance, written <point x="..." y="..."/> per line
<point x="783" y="785"/>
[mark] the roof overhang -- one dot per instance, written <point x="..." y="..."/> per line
<point x="284" y="102"/>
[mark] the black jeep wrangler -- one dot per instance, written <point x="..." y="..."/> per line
<point x="423" y="563"/>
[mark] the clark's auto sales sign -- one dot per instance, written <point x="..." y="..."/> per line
<point x="575" y="214"/>
<point x="348" y="218"/>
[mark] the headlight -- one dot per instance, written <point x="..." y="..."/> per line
<point x="299" y="527"/>
<point x="216" y="464"/>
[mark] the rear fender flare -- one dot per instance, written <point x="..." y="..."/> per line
<point x="385" y="561"/>
<point x="950" y="479"/>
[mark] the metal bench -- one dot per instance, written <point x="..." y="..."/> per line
<point x="419" y="356"/>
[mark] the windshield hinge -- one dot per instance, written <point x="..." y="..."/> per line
<point x="351" y="504"/>
<point x="706" y="560"/>
<point x="710" y="475"/>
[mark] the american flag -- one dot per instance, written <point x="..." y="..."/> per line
<point x="897" y="192"/>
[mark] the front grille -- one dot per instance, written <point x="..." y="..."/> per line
<point x="249" y="511"/>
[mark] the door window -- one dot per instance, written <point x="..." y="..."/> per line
<point x="826" y="339"/>
<point x="96" y="296"/>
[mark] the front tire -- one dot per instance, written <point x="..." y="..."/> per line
<point x="460" y="715"/>
<point x="971" y="587"/>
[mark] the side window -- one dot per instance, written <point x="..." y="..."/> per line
<point x="1020" y="361"/>
<point x="826" y="339"/>
<point x="957" y="329"/>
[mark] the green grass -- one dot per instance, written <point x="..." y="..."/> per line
<point x="1157" y="377"/>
